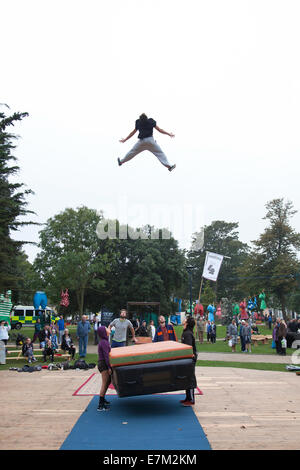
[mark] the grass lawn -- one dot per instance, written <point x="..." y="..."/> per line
<point x="244" y="365"/>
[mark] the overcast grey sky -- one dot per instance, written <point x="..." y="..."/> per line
<point x="222" y="75"/>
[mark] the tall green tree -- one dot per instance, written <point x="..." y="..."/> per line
<point x="223" y="238"/>
<point x="147" y="269"/>
<point x="273" y="265"/>
<point x="71" y="255"/>
<point x="208" y="295"/>
<point x="13" y="204"/>
<point x="28" y="280"/>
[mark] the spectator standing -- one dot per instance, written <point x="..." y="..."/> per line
<point x="142" y="331"/>
<point x="233" y="335"/>
<point x="135" y="323"/>
<point x="151" y="329"/>
<point x="242" y="337"/>
<point x="247" y="337"/>
<point x="67" y="343"/>
<point x="208" y="330"/>
<point x="4" y="329"/>
<point x="121" y="326"/>
<point x="275" y="336"/>
<point x="37" y="329"/>
<point x="213" y="333"/>
<point x="61" y="328"/>
<point x="54" y="342"/>
<point x="164" y="332"/>
<point x="270" y="320"/>
<point x="82" y="333"/>
<point x="54" y="325"/>
<point x="188" y="338"/>
<point x="282" y="331"/>
<point x="200" y="322"/>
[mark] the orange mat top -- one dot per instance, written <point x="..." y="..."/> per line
<point x="149" y="352"/>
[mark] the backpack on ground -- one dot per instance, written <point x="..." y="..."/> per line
<point x="81" y="364"/>
<point x="65" y="365"/>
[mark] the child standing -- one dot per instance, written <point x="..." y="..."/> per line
<point x="54" y="342"/>
<point x="104" y="366"/>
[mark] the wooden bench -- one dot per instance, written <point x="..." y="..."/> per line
<point x="20" y="356"/>
<point x="264" y="339"/>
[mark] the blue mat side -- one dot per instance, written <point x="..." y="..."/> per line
<point x="153" y="423"/>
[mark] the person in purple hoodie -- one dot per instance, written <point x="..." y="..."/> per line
<point x="104" y="366"/>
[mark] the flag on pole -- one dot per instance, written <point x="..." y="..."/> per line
<point x="212" y="266"/>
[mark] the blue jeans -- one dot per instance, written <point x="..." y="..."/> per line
<point x="116" y="344"/>
<point x="83" y="341"/>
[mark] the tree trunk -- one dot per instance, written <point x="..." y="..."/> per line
<point x="80" y="299"/>
<point x="282" y="302"/>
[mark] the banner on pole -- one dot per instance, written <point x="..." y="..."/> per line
<point x="212" y="266"/>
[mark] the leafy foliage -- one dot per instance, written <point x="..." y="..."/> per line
<point x="12" y="203"/>
<point x="273" y="265"/>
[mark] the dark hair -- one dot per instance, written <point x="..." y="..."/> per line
<point x="143" y="117"/>
<point x="190" y="323"/>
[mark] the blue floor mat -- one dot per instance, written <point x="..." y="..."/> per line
<point x="148" y="422"/>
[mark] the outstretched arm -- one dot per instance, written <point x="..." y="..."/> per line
<point x="128" y="137"/>
<point x="164" y="132"/>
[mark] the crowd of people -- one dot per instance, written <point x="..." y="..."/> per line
<point x="116" y="335"/>
<point x="51" y="338"/>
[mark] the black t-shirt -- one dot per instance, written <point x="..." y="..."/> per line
<point x="145" y="127"/>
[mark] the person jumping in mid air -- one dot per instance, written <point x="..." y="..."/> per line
<point x="145" y="127"/>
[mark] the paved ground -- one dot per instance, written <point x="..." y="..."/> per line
<point x="239" y="408"/>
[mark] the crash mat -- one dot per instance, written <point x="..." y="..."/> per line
<point x="149" y="352"/>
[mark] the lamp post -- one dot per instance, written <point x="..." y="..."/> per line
<point x="189" y="270"/>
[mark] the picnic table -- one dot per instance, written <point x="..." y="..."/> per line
<point x="264" y="339"/>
